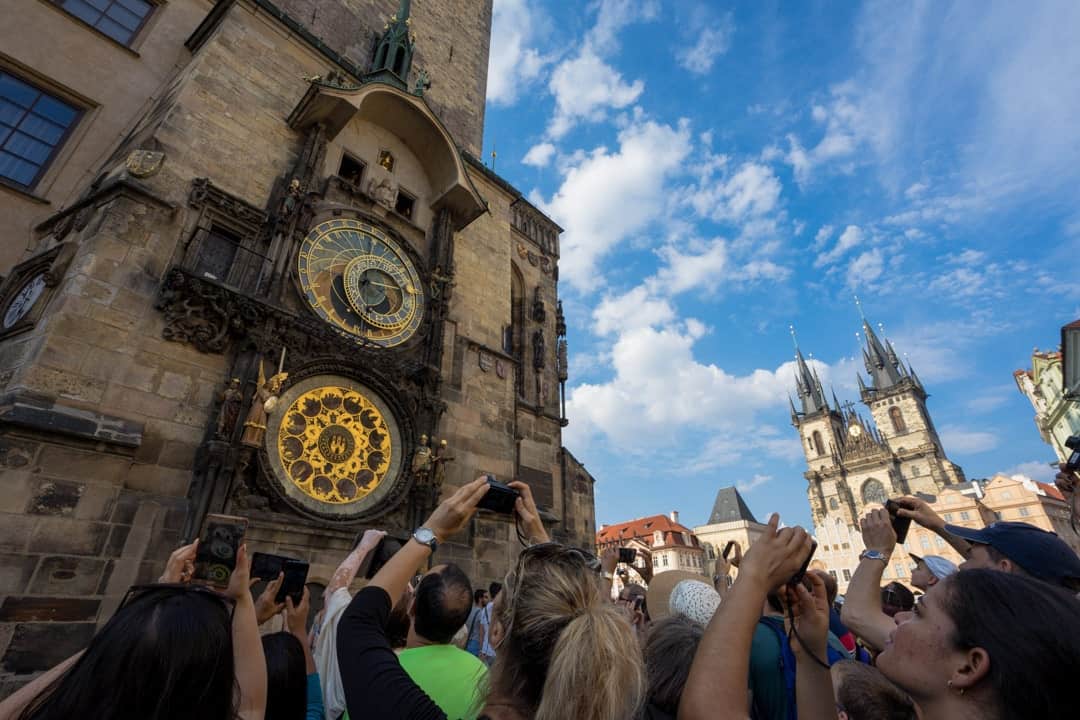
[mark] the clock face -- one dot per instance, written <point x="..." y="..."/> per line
<point x="854" y="431"/>
<point x="334" y="447"/>
<point x="24" y="300"/>
<point x="359" y="279"/>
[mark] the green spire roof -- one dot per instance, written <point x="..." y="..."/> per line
<point x="394" y="53"/>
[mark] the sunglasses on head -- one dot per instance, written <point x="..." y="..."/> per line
<point x="137" y="592"/>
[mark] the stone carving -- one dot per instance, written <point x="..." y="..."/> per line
<point x="539" y="349"/>
<point x="144" y="163"/>
<point x="539" y="313"/>
<point x="442" y="456"/>
<point x="382" y="188"/>
<point x="423" y="82"/>
<point x="204" y="192"/>
<point x="561" y="361"/>
<point x="231" y="398"/>
<point x="262" y="404"/>
<point x="205" y="315"/>
<point x="292" y="199"/>
<point x="442" y="285"/>
<point x="486" y="361"/>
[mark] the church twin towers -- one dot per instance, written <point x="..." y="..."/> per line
<point x="854" y="463"/>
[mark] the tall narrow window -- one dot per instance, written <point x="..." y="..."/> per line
<point x="118" y="19"/>
<point x="819" y="446"/>
<point x="218" y="254"/>
<point x="516" y="344"/>
<point x="897" y="419"/>
<point x="33" y="125"/>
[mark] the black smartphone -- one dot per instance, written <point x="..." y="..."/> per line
<point x="266" y="566"/>
<point x="293" y="585"/>
<point x="216" y="558"/>
<point x="378" y="557"/>
<point x="797" y="577"/>
<point x="499" y="498"/>
<point x="727" y="549"/>
<point x="627" y="555"/>
<point x="900" y="525"/>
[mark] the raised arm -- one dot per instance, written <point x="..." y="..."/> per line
<point x="920" y="511"/>
<point x="248" y="660"/>
<point x="346" y="571"/>
<point x="813" y="682"/>
<point x="862" y="603"/>
<point x="716" y="686"/>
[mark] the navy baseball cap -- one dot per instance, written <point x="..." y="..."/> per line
<point x="1040" y="553"/>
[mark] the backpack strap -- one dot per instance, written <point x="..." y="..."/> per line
<point x="787" y="663"/>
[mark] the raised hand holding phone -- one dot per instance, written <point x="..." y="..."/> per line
<point x="776" y="556"/>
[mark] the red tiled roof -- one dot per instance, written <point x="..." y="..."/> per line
<point x="1051" y="490"/>
<point x="643" y="529"/>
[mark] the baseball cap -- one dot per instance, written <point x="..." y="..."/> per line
<point x="938" y="566"/>
<point x="678" y="592"/>
<point x="1040" y="553"/>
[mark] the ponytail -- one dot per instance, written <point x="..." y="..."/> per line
<point x="596" y="671"/>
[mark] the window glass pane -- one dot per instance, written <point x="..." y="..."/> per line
<point x="121" y="16"/>
<point x="4" y="132"/>
<point x="52" y="109"/>
<point x="27" y="148"/>
<point x="10" y="113"/>
<point x="138" y="7"/>
<point x="40" y="128"/>
<point x="119" y="33"/>
<point x="82" y="10"/>
<point x="17" y="170"/>
<point x="16" y="91"/>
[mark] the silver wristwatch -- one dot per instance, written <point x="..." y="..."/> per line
<point x="874" y="555"/>
<point x="424" y="536"/>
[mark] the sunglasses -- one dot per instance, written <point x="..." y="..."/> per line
<point x="137" y="592"/>
<point x="545" y="553"/>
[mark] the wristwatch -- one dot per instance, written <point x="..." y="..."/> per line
<point x="424" y="536"/>
<point x="874" y="555"/>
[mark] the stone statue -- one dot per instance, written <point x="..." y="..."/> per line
<point x="538" y="349"/>
<point x="292" y="198"/>
<point x="230" y="398"/>
<point x="423" y="82"/>
<point x="539" y="313"/>
<point x="262" y="404"/>
<point x="562" y="362"/>
<point x="442" y="457"/>
<point x="382" y="188"/>
<point x="439" y="282"/>
<point x="422" y="462"/>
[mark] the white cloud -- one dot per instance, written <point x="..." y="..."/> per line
<point x="714" y="41"/>
<point x="609" y="196"/>
<point x="512" y="63"/>
<point x="1033" y="470"/>
<point x="866" y="268"/>
<point x="845" y="128"/>
<point x="822" y="236"/>
<point x="752" y="190"/>
<point x="745" y="486"/>
<point x="539" y="155"/>
<point x="958" y="440"/>
<point x="631" y="310"/>
<point x="852" y="237"/>
<point x="586" y="86"/>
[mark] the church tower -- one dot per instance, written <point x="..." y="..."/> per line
<point x="856" y="463"/>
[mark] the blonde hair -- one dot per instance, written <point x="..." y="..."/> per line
<point x="567" y="652"/>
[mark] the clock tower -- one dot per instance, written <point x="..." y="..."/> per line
<point x="855" y="463"/>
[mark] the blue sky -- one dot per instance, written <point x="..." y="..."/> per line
<point x="726" y="170"/>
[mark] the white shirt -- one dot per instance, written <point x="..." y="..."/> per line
<point x="325" y="654"/>
<point x="485" y="621"/>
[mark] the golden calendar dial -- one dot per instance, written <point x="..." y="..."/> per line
<point x="358" y="278"/>
<point x="334" y="448"/>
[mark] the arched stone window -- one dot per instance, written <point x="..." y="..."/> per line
<point x="873" y="492"/>
<point x="897" y="418"/>
<point x="834" y="504"/>
<point x="818" y="445"/>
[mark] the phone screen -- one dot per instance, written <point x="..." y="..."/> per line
<point x="265" y="566"/>
<point x="296" y="572"/>
<point x="220" y="541"/>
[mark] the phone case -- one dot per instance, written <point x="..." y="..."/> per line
<point x="220" y="541"/>
<point x="296" y="572"/>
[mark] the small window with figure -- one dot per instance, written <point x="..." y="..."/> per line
<point x="404" y="204"/>
<point x="350" y="169"/>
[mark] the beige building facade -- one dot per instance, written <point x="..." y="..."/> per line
<point x="730" y="521"/>
<point x="259" y="271"/>
<point x="672" y="545"/>
<point x="1056" y="417"/>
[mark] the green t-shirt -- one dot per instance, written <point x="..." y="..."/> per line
<point x="451" y="677"/>
<point x="767" y="676"/>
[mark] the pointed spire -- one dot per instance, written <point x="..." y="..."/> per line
<point x="881" y="362"/>
<point x="394" y="53"/>
<point x="835" y="402"/>
<point x="794" y="413"/>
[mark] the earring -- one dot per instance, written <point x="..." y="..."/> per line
<point x="950" y="686"/>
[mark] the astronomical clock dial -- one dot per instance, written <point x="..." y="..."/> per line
<point x="358" y="278"/>
<point x="24" y="300"/>
<point x="334" y="446"/>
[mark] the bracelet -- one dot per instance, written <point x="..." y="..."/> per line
<point x="874" y="555"/>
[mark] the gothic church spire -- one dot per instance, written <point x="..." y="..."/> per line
<point x="394" y="53"/>
<point x="807" y="383"/>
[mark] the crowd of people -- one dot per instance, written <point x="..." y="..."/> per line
<point x="996" y="637"/>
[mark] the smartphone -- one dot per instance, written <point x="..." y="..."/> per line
<point x="216" y="558"/>
<point x="900" y="525"/>
<point x="499" y="498"/>
<point x="378" y="557"/>
<point x="639" y="602"/>
<point x="627" y="555"/>
<point x="797" y="577"/>
<point x="265" y="566"/>
<point x="728" y="548"/>
<point x="293" y="585"/>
